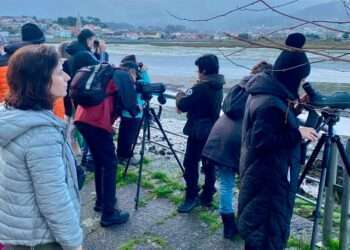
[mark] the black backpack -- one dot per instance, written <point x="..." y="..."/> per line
<point x="234" y="103"/>
<point x="88" y="86"/>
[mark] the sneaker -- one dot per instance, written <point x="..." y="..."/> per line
<point x="188" y="205"/>
<point x="116" y="218"/>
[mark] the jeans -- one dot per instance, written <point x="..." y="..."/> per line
<point x="102" y="148"/>
<point x="227" y="184"/>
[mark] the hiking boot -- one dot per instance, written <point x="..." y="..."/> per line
<point x="206" y="200"/>
<point x="188" y="205"/>
<point x="116" y="218"/>
<point x="230" y="227"/>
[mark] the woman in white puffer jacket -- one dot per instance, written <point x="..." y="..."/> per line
<point x="39" y="196"/>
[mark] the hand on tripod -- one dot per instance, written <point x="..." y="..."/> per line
<point x="309" y="134"/>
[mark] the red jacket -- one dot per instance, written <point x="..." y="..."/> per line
<point x="4" y="88"/>
<point x="102" y="115"/>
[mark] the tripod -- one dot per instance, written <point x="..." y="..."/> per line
<point x="327" y="140"/>
<point x="148" y="114"/>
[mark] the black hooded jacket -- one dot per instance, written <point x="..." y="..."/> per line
<point x="81" y="56"/>
<point x="269" y="165"/>
<point x="202" y="102"/>
<point x="10" y="50"/>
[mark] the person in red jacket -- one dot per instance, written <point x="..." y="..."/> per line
<point x="96" y="125"/>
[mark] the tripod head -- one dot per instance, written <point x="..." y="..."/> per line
<point x="148" y="90"/>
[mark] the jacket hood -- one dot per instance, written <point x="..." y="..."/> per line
<point x="11" y="48"/>
<point x="215" y="81"/>
<point x="75" y="47"/>
<point x="266" y="84"/>
<point x="15" y="122"/>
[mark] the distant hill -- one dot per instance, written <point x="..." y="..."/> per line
<point x="324" y="11"/>
<point x="153" y="12"/>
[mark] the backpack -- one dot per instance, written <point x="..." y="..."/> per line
<point x="234" y="103"/>
<point x="88" y="86"/>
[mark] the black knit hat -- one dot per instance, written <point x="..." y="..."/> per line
<point x="292" y="66"/>
<point x="32" y="33"/>
<point x="84" y="35"/>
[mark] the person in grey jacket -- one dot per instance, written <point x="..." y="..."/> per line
<point x="39" y="197"/>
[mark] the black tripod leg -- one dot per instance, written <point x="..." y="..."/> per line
<point x="343" y="154"/>
<point x="133" y="146"/>
<point x="167" y="140"/>
<point x="145" y="124"/>
<point x="325" y="164"/>
<point x="312" y="159"/>
<point x="149" y="130"/>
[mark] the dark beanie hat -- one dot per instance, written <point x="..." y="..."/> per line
<point x="292" y="66"/>
<point x="32" y="33"/>
<point x="129" y="62"/>
<point x="84" y="35"/>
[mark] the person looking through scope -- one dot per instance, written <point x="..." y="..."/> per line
<point x="129" y="125"/>
<point x="271" y="151"/>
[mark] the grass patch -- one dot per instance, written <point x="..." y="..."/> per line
<point x="160" y="176"/>
<point x="176" y="198"/>
<point x="298" y="244"/>
<point x="130" y="178"/>
<point x="163" y="191"/>
<point x="89" y="177"/>
<point x="333" y="245"/>
<point x="210" y="218"/>
<point x="301" y="244"/>
<point x="146" y="183"/>
<point x="146" y="161"/>
<point x="303" y="208"/>
<point x="146" y="240"/>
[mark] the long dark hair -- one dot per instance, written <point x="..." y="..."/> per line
<point x="29" y="77"/>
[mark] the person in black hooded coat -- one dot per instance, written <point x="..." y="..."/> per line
<point x="270" y="157"/>
<point x="80" y="56"/>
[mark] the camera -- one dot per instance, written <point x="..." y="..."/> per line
<point x="339" y="100"/>
<point x="96" y="44"/>
<point x="148" y="90"/>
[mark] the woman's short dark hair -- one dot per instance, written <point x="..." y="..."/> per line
<point x="208" y="64"/>
<point x="29" y="77"/>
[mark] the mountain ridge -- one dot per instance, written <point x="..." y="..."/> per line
<point x="154" y="12"/>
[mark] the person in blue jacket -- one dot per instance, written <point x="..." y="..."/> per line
<point x="129" y="125"/>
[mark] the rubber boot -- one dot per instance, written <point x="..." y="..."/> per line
<point x="230" y="227"/>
